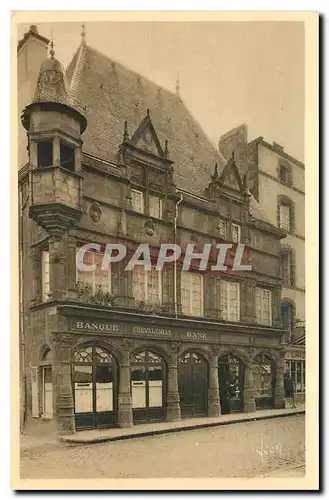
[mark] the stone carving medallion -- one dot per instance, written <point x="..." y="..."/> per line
<point x="95" y="212"/>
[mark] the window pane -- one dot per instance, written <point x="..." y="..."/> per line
<point x="262" y="373"/>
<point x="104" y="388"/>
<point x="47" y="392"/>
<point x="138" y="387"/>
<point x="230" y="300"/>
<point x="83" y="393"/>
<point x="236" y="231"/>
<point x="155" y="206"/>
<point x="191" y="293"/>
<point x="137" y="201"/>
<point x="153" y="279"/>
<point x="139" y="283"/>
<point x="155" y="386"/>
<point x="222" y="229"/>
<point x="285" y="217"/>
<point x="263" y="306"/>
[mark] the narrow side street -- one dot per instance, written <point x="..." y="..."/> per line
<point x="251" y="449"/>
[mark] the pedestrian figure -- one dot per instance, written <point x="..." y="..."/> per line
<point x="289" y="389"/>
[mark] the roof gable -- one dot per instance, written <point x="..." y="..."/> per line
<point x="146" y="138"/>
<point x="230" y="176"/>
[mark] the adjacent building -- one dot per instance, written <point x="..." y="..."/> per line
<point x="277" y="182"/>
<point x="114" y="158"/>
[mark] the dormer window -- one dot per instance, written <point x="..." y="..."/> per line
<point x="67" y="157"/>
<point x="45" y="153"/>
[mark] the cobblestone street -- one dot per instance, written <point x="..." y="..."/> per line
<point x="238" y="450"/>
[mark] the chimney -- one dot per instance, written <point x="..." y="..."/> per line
<point x="235" y="142"/>
<point x="276" y="145"/>
<point x="31" y="52"/>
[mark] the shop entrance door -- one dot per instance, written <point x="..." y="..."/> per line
<point x="231" y="384"/>
<point x="94" y="387"/>
<point x="193" y="385"/>
<point x="148" y="387"/>
<point x="264" y="381"/>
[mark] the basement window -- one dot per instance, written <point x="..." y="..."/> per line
<point x="45" y="153"/>
<point x="67" y="157"/>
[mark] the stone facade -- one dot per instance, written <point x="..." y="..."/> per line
<point x="61" y="209"/>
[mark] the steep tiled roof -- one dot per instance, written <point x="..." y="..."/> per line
<point x="108" y="93"/>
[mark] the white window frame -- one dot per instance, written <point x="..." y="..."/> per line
<point x="45" y="275"/>
<point x="96" y="259"/>
<point x="134" y="206"/>
<point x="146" y="273"/>
<point x="159" y="215"/>
<point x="222" y="229"/>
<point x="260" y="295"/>
<point x="188" y="309"/>
<point x="226" y="287"/>
<point x="239" y="233"/>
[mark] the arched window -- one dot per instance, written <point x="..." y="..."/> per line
<point x="286" y="214"/>
<point x="287" y="267"/>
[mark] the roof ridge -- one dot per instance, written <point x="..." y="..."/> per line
<point x="134" y="72"/>
<point x="76" y="75"/>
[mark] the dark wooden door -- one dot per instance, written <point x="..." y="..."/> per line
<point x="193" y="385"/>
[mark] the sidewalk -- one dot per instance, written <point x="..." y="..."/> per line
<point x="152" y="429"/>
<point x="29" y="442"/>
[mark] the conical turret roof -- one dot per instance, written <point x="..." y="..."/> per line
<point x="51" y="84"/>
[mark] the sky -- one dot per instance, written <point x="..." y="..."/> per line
<point x="229" y="72"/>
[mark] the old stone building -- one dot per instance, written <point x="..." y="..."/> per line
<point x="277" y="181"/>
<point x="114" y="158"/>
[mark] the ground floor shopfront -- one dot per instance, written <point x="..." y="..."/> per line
<point x="125" y="371"/>
<point x="296" y="368"/>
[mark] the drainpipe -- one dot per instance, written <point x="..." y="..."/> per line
<point x="175" y="262"/>
<point x="22" y="205"/>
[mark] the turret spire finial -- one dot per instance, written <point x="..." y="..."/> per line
<point x="125" y="132"/>
<point x="52" y="52"/>
<point x="177" y="85"/>
<point x="83" y="34"/>
<point x="166" y="152"/>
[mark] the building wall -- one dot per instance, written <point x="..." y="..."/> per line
<point x="269" y="189"/>
<point x="29" y="58"/>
